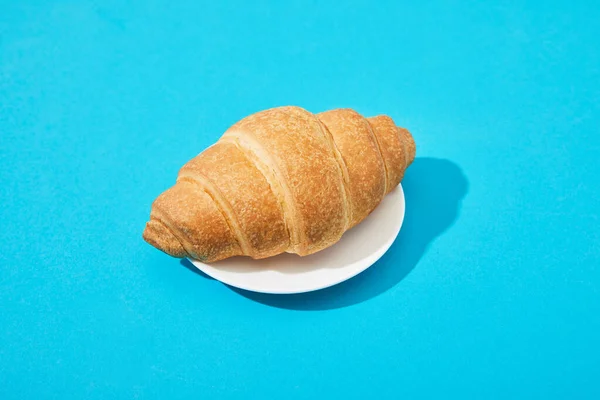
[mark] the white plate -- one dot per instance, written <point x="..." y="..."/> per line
<point x="356" y="251"/>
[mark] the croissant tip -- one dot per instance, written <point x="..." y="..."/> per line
<point x="410" y="142"/>
<point x="158" y="235"/>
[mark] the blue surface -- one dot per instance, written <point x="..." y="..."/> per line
<point x="491" y="291"/>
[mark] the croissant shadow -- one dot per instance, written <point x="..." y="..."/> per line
<point x="434" y="189"/>
<point x="188" y="264"/>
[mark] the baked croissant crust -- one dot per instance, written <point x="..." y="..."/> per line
<point x="280" y="180"/>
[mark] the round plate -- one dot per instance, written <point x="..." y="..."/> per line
<point x="356" y="251"/>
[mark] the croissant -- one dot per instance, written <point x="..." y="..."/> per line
<point x="281" y="180"/>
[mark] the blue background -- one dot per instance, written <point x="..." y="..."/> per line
<point x="491" y="291"/>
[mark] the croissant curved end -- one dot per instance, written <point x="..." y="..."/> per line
<point x="161" y="237"/>
<point x="409" y="141"/>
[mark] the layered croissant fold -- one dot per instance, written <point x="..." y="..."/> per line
<point x="281" y="180"/>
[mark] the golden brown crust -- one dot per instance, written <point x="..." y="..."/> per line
<point x="392" y="149"/>
<point x="258" y="219"/>
<point x="194" y="219"/>
<point x="280" y="180"/>
<point x="366" y="171"/>
<point x="409" y="145"/>
<point x="299" y="149"/>
<point x="161" y="237"/>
